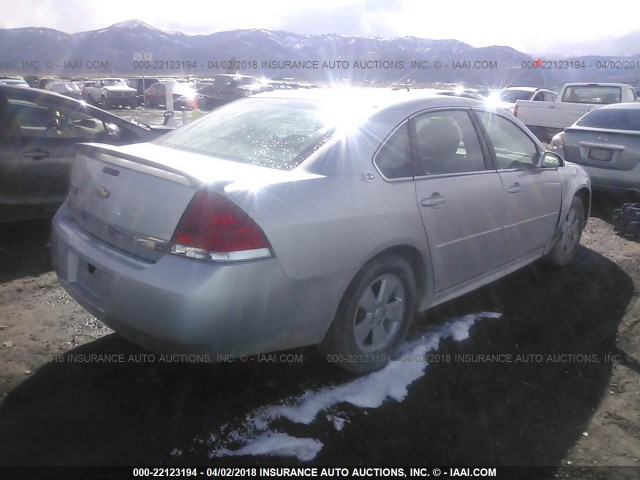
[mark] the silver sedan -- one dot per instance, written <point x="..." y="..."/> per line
<point x="606" y="143"/>
<point x="311" y="217"/>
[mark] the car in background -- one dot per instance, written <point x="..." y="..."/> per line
<point x="184" y="95"/>
<point x="62" y="86"/>
<point x="305" y="217"/>
<point x="229" y="87"/>
<point x="507" y="97"/>
<point x="141" y="84"/>
<point x="39" y="131"/>
<point x="546" y="119"/>
<point x="606" y="143"/>
<point x="69" y="89"/>
<point x="463" y="93"/>
<point x="14" y="81"/>
<point x="279" y="85"/>
<point x="513" y="94"/>
<point x="111" y="92"/>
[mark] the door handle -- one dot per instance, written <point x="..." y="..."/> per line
<point x="515" y="189"/>
<point x="436" y="200"/>
<point x="36" y="153"/>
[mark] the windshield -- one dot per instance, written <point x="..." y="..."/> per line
<point x="511" y="96"/>
<point x="270" y="132"/>
<point x="612" y="119"/>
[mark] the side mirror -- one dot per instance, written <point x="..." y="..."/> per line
<point x="167" y="116"/>
<point x="552" y="160"/>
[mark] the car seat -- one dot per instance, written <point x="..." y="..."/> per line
<point x="438" y="142"/>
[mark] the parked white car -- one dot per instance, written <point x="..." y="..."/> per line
<point x="109" y="92"/>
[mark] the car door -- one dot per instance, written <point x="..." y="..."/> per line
<point x="45" y="147"/>
<point x="532" y="194"/>
<point x="10" y="164"/>
<point x="459" y="196"/>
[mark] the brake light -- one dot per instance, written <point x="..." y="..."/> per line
<point x="214" y="228"/>
<point x="515" y="110"/>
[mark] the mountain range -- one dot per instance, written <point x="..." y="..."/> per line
<point x="135" y="48"/>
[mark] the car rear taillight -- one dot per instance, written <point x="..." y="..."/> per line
<point x="214" y="228"/>
<point x="515" y="110"/>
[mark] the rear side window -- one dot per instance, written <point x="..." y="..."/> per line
<point x="613" y="119"/>
<point x="393" y="158"/>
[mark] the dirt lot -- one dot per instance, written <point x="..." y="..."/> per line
<point x="572" y="399"/>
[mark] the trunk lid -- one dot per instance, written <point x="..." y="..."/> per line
<point x="133" y="197"/>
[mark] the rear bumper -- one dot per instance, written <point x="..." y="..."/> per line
<point x="184" y="305"/>
<point x="615" y="182"/>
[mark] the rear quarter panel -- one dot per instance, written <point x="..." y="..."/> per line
<point x="334" y="223"/>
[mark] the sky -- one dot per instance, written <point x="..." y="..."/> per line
<point x="537" y="26"/>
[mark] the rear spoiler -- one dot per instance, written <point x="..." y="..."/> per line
<point x="115" y="156"/>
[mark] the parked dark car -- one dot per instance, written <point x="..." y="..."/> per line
<point x="228" y="87"/>
<point x="184" y="95"/>
<point x="141" y="84"/>
<point x="38" y="134"/>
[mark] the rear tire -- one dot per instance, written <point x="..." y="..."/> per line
<point x="566" y="246"/>
<point x="373" y="317"/>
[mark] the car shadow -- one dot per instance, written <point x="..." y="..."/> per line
<point x="24" y="249"/>
<point x="89" y="408"/>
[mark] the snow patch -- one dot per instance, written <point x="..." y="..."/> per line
<point x="338" y="422"/>
<point x="370" y="391"/>
<point x="277" y="444"/>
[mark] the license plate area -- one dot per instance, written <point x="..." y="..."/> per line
<point x="600" y="154"/>
<point x="93" y="280"/>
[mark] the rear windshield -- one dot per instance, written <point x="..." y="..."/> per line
<point x="613" y="119"/>
<point x="587" y="94"/>
<point x="271" y="132"/>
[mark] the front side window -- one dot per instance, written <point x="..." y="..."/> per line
<point x="446" y="142"/>
<point x="513" y="148"/>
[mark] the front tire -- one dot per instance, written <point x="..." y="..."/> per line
<point x="373" y="316"/>
<point x="565" y="248"/>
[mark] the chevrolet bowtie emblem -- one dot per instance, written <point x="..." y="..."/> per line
<point x="103" y="192"/>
